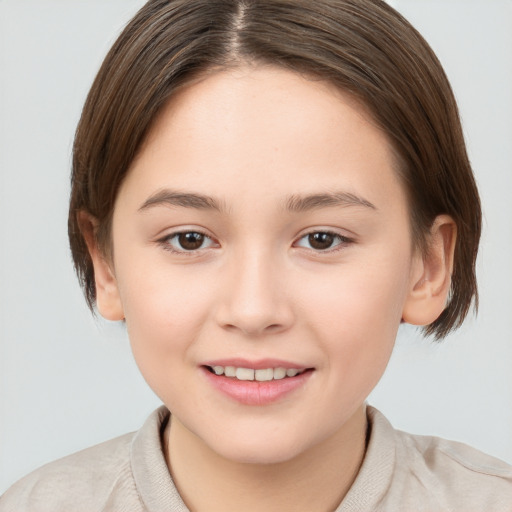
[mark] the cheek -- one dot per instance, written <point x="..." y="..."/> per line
<point x="356" y="313"/>
<point x="165" y="313"/>
<point x="363" y="298"/>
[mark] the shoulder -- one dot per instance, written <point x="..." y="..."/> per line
<point x="403" y="472"/>
<point x="125" y="473"/>
<point x="455" y="475"/>
<point x="81" y="481"/>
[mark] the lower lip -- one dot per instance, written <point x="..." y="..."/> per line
<point x="252" y="392"/>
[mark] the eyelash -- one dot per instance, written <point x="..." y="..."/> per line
<point x="165" y="242"/>
<point x="343" y="241"/>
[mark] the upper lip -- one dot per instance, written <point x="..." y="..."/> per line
<point x="258" y="364"/>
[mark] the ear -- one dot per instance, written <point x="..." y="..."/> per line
<point x="108" y="300"/>
<point x="431" y="274"/>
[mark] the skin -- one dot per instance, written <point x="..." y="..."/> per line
<point x="256" y="288"/>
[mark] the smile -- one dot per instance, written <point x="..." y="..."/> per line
<point x="260" y="375"/>
<point x="268" y="383"/>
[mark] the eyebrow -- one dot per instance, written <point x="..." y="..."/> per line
<point x="183" y="199"/>
<point x="299" y="203"/>
<point x="295" y="203"/>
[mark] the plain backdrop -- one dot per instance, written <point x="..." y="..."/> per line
<point x="68" y="381"/>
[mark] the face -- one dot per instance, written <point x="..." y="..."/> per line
<point x="261" y="232"/>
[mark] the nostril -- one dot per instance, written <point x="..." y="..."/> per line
<point x="268" y="330"/>
<point x="253" y="329"/>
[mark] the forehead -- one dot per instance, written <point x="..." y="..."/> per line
<point x="266" y="130"/>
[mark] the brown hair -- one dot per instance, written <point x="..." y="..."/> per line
<point x="362" y="46"/>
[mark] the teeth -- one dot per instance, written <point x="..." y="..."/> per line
<point x="230" y="371"/>
<point x="262" y="375"/>
<point x="244" y="374"/>
<point x="279" y="373"/>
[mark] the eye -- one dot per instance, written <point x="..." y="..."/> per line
<point x="187" y="241"/>
<point x="322" y="241"/>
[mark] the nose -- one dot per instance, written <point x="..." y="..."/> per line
<point x="255" y="298"/>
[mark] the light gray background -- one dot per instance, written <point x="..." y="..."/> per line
<point x="68" y="381"/>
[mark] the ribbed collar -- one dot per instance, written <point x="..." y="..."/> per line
<point x="158" y="492"/>
<point x="376" y="472"/>
<point x="152" y="478"/>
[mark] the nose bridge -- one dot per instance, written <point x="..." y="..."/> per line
<point x="255" y="299"/>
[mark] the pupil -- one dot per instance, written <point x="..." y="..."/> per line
<point x="321" y="241"/>
<point x="191" y="241"/>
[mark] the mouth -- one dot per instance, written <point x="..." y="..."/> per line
<point x="258" y="375"/>
<point x="257" y="382"/>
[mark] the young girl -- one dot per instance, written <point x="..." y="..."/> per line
<point x="263" y="191"/>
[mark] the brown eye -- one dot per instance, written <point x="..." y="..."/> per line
<point x="190" y="241"/>
<point x="186" y="242"/>
<point x="321" y="241"/>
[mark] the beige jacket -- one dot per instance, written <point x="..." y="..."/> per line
<point x="400" y="473"/>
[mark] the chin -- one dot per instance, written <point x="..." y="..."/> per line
<point x="261" y="451"/>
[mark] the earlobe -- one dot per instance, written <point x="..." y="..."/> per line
<point x="431" y="274"/>
<point x="108" y="300"/>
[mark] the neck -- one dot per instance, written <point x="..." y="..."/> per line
<point x="317" y="479"/>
